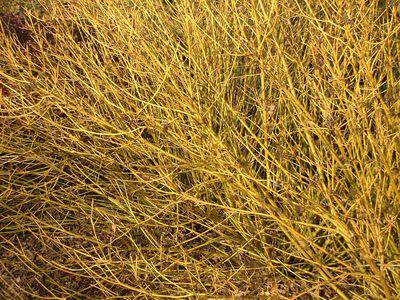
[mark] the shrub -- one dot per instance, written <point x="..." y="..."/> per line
<point x="201" y="148"/>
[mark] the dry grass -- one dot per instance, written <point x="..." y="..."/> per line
<point x="189" y="149"/>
